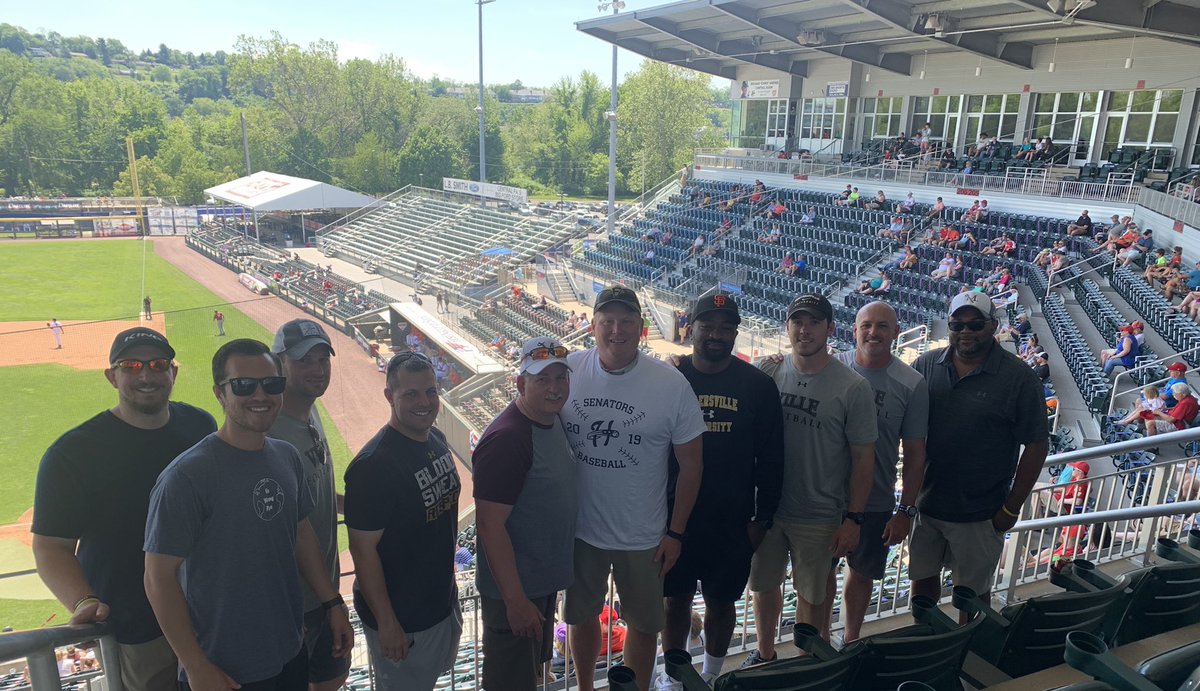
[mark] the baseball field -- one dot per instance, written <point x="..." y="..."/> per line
<point x="95" y="289"/>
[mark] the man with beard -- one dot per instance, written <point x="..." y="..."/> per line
<point x="304" y="351"/>
<point x="829" y="459"/>
<point x="739" y="491"/>
<point x="227" y="541"/>
<point x="984" y="405"/>
<point x="93" y="492"/>
<point x="902" y="414"/>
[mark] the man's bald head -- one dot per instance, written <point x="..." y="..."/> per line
<point x="876" y="327"/>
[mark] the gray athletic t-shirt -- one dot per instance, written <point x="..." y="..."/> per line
<point x="823" y="414"/>
<point x="313" y="446"/>
<point x="902" y="412"/>
<point x="231" y="516"/>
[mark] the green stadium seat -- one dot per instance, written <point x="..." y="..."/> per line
<point x="1155" y="600"/>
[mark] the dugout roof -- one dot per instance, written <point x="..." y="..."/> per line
<point x="718" y="36"/>
<point x="267" y="191"/>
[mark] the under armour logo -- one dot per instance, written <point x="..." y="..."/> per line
<point x="710" y="414"/>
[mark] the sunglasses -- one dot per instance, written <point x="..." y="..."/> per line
<point x="401" y="358"/>
<point x="245" y="386"/>
<point x="976" y="325"/>
<point x="544" y="353"/>
<point x="161" y="364"/>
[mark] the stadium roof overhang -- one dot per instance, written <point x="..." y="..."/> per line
<point x="267" y="191"/>
<point x="719" y="36"/>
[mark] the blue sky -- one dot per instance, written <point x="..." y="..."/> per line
<point x="531" y="40"/>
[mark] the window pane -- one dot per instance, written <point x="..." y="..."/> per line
<point x="1041" y="125"/>
<point x="975" y="104"/>
<point x="1170" y="101"/>
<point x="1090" y="99"/>
<point x="1137" y="129"/>
<point x="955" y="102"/>
<point x="868" y="105"/>
<point x="1008" y="127"/>
<point x="1119" y="101"/>
<point x="881" y="127"/>
<point x="992" y="104"/>
<point x="1063" y="130"/>
<point x="1044" y="103"/>
<point x="808" y="106"/>
<point x="991" y="124"/>
<point x="1164" y="128"/>
<point x="1068" y="103"/>
<point x="938" y="123"/>
<point x="951" y="129"/>
<point x="921" y="104"/>
<point x="1012" y="103"/>
<point x="840" y="104"/>
<point x="897" y="103"/>
<point x="1143" y="101"/>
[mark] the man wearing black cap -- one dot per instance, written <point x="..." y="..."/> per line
<point x="625" y="414"/>
<point x="829" y="427"/>
<point x="93" y="490"/>
<point x="984" y="405"/>
<point x="739" y="491"/>
<point x="305" y="350"/>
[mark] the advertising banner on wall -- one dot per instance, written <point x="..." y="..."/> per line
<point x="754" y="88"/>
<point x="512" y="195"/>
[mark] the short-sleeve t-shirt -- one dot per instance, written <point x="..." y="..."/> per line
<point x="902" y="412"/>
<point x="409" y="490"/>
<point x="309" y="439"/>
<point x="529" y="467"/>
<point x="977" y="425"/>
<point x="231" y="515"/>
<point x="823" y="414"/>
<point x="94" y="485"/>
<point x="1185" y="411"/>
<point x="621" y="428"/>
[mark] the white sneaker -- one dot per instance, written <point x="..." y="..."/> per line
<point x="666" y="683"/>
<point x="708" y="678"/>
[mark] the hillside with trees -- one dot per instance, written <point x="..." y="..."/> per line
<point x="67" y="105"/>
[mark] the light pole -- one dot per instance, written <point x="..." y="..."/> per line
<point x="479" y="108"/>
<point x="611" y="116"/>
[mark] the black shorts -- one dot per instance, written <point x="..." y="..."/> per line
<point x="719" y="557"/>
<point x="318" y="641"/>
<point x="870" y="557"/>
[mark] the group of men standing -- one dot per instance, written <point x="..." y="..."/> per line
<point x="707" y="472"/>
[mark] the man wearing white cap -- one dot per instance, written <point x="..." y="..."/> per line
<point x="525" y="503"/>
<point x="985" y="404"/>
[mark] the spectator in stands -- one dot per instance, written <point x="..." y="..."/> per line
<point x="980" y="145"/>
<point x="969" y="167"/>
<point x="841" y="197"/>
<point x="304" y="351"/>
<point x="525" y="503"/>
<point x="944" y="267"/>
<point x="713" y="248"/>
<point x="1081" y="226"/>
<point x="542" y="304"/>
<point x="237" y="481"/>
<point x="648" y="260"/>
<point x="878" y="286"/>
<point x="948" y="159"/>
<point x="697" y="244"/>
<point x="1138" y="329"/>
<point x="829" y="431"/>
<point x="584" y="323"/>
<point x="998" y="246"/>
<point x="772" y="236"/>
<point x="1189" y="306"/>
<point x="1182" y="416"/>
<point x="1015" y="332"/>
<point x="902" y="407"/>
<point x="1115" y="245"/>
<point x="906" y="204"/>
<point x="1176" y="373"/>
<point x="977" y="476"/>
<point x="777" y="210"/>
<point x="623" y="517"/>
<point x="936" y="211"/>
<point x="1191" y="280"/>
<point x="1164" y="268"/>
<point x="1152" y="399"/>
<point x="983" y="211"/>
<point x="971" y="215"/>
<point x="1024" y="151"/>
<point x="1040" y="366"/>
<point x="1029" y="349"/>
<point x="667" y="237"/>
<point x="651" y="234"/>
<point x="1044" y="255"/>
<point x="90" y="503"/>
<point x="898" y="231"/>
<point x="408" y="606"/>
<point x="898" y="263"/>
<point x="809" y="217"/>
<point x="1138" y="249"/>
<point x="879" y="202"/>
<point x="788" y="265"/>
<point x="1123" y="355"/>
<point x="947" y="237"/>
<point x="1047" y="152"/>
<point x="740" y="489"/>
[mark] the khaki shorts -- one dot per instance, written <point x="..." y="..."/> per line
<point x="512" y="662"/>
<point x="808" y="545"/>
<point x="638" y="586"/>
<point x="970" y="550"/>
<point x="149" y="666"/>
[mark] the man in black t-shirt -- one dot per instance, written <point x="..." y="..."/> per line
<point x="401" y="509"/>
<point x="93" y="493"/>
<point x="740" y="488"/>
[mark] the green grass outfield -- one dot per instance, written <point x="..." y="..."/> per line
<point x="95" y="280"/>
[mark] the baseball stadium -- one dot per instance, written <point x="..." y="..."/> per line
<point x="921" y="153"/>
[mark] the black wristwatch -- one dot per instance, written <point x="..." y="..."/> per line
<point x="330" y="604"/>
<point x="675" y="535"/>
<point x="910" y="511"/>
<point x="857" y="516"/>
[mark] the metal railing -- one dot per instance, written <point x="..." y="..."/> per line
<point x="1145" y="366"/>
<point x="1177" y="203"/>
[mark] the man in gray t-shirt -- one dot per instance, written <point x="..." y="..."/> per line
<point x="829" y="436"/>
<point x="225" y="534"/>
<point x="304" y="349"/>
<point x="902" y="411"/>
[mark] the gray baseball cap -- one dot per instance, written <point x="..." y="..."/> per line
<point x="298" y="336"/>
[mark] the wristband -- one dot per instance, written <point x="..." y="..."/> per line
<point x="330" y="604"/>
<point x="84" y="600"/>
<point x="674" y="535"/>
<point x="1004" y="507"/>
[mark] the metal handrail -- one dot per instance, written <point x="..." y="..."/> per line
<point x="37" y="647"/>
<point x="1127" y="513"/>
<point x="1112" y="398"/>
<point x="1051" y="285"/>
<point x="1117" y="448"/>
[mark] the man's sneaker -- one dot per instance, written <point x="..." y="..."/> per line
<point x="755" y="659"/>
<point x="665" y="683"/>
<point x="708" y="678"/>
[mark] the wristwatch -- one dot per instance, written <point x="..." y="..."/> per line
<point x="857" y="516"/>
<point x="910" y="511"/>
<point x="675" y="536"/>
<point x="330" y="604"/>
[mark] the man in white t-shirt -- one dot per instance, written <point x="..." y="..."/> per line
<point x="624" y="415"/>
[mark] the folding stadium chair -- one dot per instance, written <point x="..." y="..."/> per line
<point x="1155" y="600"/>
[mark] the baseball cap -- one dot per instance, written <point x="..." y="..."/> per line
<point x="717" y="303"/>
<point x="1177" y="367"/>
<point x="1082" y="465"/>
<point x="298" y="336"/>
<point x="620" y="294"/>
<point x="814" y="304"/>
<point x="1137" y="325"/>
<point x="979" y="301"/>
<point x="534" y="365"/>
<point x="138" y="336"/>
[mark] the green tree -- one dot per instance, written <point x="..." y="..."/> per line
<point x="428" y="156"/>
<point x="371" y="168"/>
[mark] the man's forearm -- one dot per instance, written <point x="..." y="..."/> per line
<point x="368" y="571"/>
<point x="502" y="561"/>
<point x="170" y="608"/>
<point x="1028" y="469"/>
<point x="862" y="474"/>
<point x="310" y="564"/>
<point x="687" y="488"/>
<point x="913" y="474"/>
<point x="60" y="570"/>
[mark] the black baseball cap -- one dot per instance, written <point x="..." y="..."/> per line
<point x="298" y="336"/>
<point x="716" y="303"/>
<point x="138" y="336"/>
<point x="620" y="294"/>
<point x="813" y="304"/>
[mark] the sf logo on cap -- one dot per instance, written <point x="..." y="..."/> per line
<point x="718" y="300"/>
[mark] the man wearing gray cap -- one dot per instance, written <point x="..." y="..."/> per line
<point x="93" y="493"/>
<point x="305" y="350"/>
<point x="525" y="503"/>
<point x="985" y="404"/>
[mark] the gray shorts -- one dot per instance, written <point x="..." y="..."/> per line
<point x="970" y="550"/>
<point x="870" y="557"/>
<point x="430" y="653"/>
<point x="808" y="545"/>
<point x="635" y="574"/>
<point x="149" y="666"/>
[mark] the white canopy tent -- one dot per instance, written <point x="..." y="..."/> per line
<point x="266" y="191"/>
